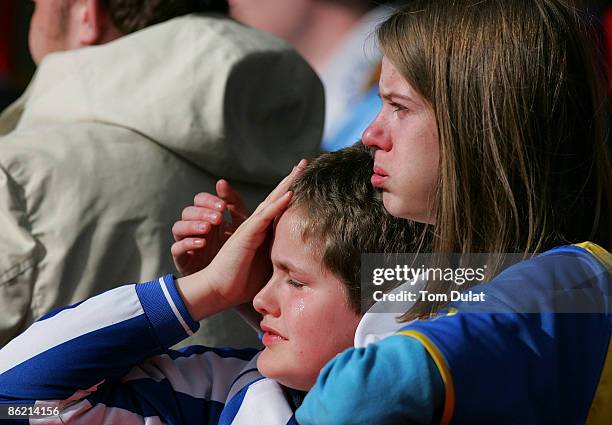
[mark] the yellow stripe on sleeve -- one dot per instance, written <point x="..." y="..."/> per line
<point x="598" y="252"/>
<point x="436" y="355"/>
<point x="600" y="412"/>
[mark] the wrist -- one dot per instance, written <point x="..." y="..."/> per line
<point x="200" y="297"/>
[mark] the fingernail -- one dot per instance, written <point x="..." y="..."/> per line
<point x="302" y="163"/>
<point x="214" y="217"/>
<point x="201" y="227"/>
<point x="219" y="206"/>
<point x="198" y="242"/>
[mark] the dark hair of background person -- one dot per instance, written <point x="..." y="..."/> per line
<point x="133" y="15"/>
<point x="128" y="16"/>
<point x="343" y="215"/>
<point x="523" y="121"/>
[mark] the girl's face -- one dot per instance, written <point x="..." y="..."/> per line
<point x="306" y="315"/>
<point x="405" y="137"/>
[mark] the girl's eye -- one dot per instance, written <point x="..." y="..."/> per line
<point x="397" y="108"/>
<point x="295" y="283"/>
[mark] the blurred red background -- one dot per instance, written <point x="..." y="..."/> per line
<point x="6" y="42"/>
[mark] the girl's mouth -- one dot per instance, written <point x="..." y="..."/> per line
<point x="379" y="177"/>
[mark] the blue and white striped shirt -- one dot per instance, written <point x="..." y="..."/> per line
<point x="106" y="361"/>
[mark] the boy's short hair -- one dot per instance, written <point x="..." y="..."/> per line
<point x="343" y="213"/>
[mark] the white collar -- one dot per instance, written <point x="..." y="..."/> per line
<point x="381" y="320"/>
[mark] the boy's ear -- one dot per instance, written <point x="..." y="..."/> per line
<point x="93" y="23"/>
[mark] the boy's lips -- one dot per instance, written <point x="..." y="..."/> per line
<point x="271" y="336"/>
<point x="379" y="177"/>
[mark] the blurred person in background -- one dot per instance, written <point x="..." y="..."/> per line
<point x="127" y="117"/>
<point x="336" y="38"/>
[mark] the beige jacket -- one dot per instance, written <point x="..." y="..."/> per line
<point x="110" y="143"/>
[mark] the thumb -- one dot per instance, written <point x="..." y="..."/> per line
<point x="234" y="202"/>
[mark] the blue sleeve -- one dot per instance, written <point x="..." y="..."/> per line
<point x="107" y="360"/>
<point x="541" y="338"/>
<point x="389" y="382"/>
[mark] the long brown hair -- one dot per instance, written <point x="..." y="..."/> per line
<point x="519" y="97"/>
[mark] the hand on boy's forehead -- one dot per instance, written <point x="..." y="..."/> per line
<point x="275" y="222"/>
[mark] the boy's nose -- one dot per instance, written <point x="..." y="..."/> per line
<point x="264" y="302"/>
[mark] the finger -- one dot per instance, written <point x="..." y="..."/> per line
<point x="232" y="199"/>
<point x="210" y="201"/>
<point x="185" y="229"/>
<point x="277" y="207"/>
<point x="194" y="213"/>
<point x="189" y="244"/>
<point x="263" y="218"/>
<point x="279" y="191"/>
<point x="285" y="184"/>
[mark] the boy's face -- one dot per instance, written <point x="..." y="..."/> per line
<point x="306" y="315"/>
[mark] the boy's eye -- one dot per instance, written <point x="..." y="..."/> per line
<point x="295" y="283"/>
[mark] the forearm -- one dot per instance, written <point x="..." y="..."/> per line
<point x="198" y="296"/>
<point x="98" y="340"/>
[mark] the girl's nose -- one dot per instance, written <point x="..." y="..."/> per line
<point x="376" y="137"/>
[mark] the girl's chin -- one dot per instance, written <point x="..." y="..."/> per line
<point x="394" y="206"/>
<point x="397" y="207"/>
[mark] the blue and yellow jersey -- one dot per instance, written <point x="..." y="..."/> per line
<point x="541" y="353"/>
<point x="514" y="359"/>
